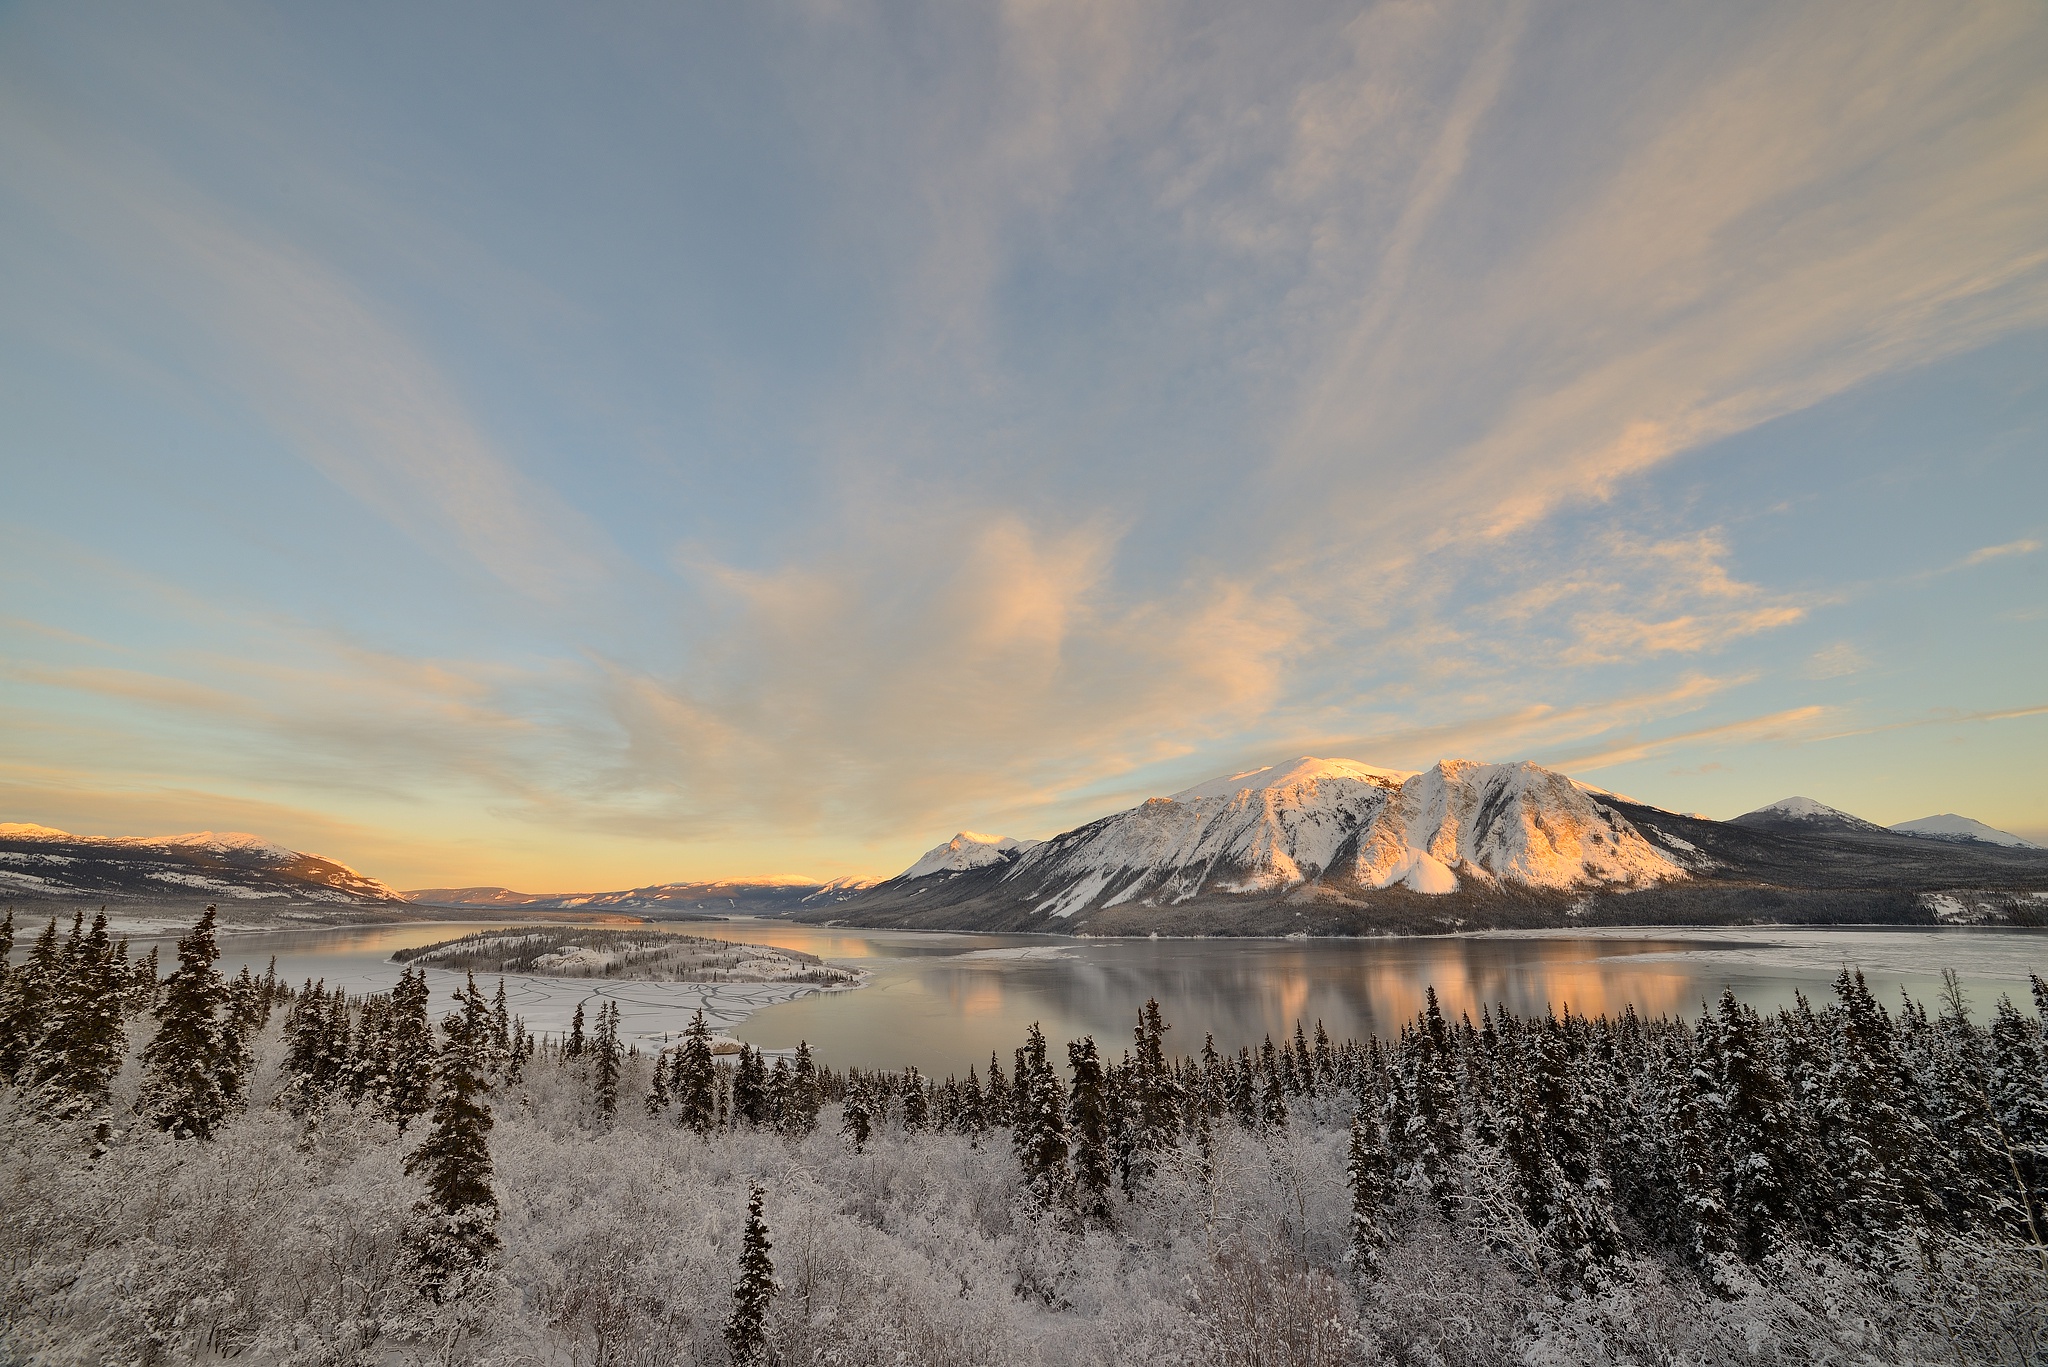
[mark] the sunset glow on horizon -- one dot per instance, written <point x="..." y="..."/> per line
<point x="582" y="448"/>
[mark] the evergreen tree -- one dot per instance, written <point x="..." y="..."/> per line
<point x="973" y="1108"/>
<point x="746" y="1332"/>
<point x="917" y="1111"/>
<point x="1871" y="1139"/>
<point x="696" y="1078"/>
<point x="1039" y="1125"/>
<point x="83" y="1039"/>
<point x="608" y="1057"/>
<point x="1370" y="1173"/>
<point x="1244" y="1101"/>
<point x="1759" y="1129"/>
<point x="574" y="1048"/>
<point x="750" y="1101"/>
<point x="1273" y="1100"/>
<point x="411" y="1088"/>
<point x="998" y="1102"/>
<point x="1088" y="1126"/>
<point x="191" y="1071"/>
<point x="453" y="1233"/>
<point x="501" y="1029"/>
<point x="800" y="1108"/>
<point x="1694" y="1158"/>
<point x="31" y="987"/>
<point x="855" y="1123"/>
<point x="657" y="1097"/>
<point x="2019" y="1099"/>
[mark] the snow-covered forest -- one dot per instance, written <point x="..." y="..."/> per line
<point x="202" y="1170"/>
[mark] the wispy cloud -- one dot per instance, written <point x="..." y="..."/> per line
<point x="1978" y="557"/>
<point x="342" y="383"/>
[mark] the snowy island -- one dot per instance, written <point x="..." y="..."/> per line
<point x="626" y="956"/>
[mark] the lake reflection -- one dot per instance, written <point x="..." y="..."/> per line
<point x="943" y="1001"/>
<point x="946" y="1010"/>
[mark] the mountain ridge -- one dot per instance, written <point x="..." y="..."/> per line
<point x="1316" y="845"/>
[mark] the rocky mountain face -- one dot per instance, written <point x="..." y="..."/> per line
<point x="1337" y="846"/>
<point x="41" y="863"/>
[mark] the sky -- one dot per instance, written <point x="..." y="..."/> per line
<point x="575" y="447"/>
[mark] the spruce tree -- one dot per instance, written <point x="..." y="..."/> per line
<point x="574" y="1048"/>
<point x="609" y="1056"/>
<point x="2019" y="1098"/>
<point x="31" y="987"/>
<point x="1088" y="1128"/>
<point x="1370" y="1172"/>
<point x="746" y="1332"/>
<point x="998" y="1102"/>
<point x="411" y="1089"/>
<point x="806" y="1096"/>
<point x="83" y="1037"/>
<point x="1039" y="1125"/>
<point x="657" y="1096"/>
<point x="696" y="1079"/>
<point x="917" y="1111"/>
<point x="750" y="1101"/>
<point x="1759" y="1129"/>
<point x="855" y="1123"/>
<point x="1871" y="1139"/>
<point x="191" y="1071"/>
<point x="453" y="1232"/>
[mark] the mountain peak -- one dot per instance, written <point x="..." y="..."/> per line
<point x="1294" y="773"/>
<point x="1804" y="811"/>
<point x="967" y="850"/>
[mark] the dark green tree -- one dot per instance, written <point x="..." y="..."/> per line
<point x="608" y="1058"/>
<point x="746" y="1332"/>
<point x="856" y="1123"/>
<point x="453" y="1235"/>
<point x="412" y="1050"/>
<point x="1369" y="1170"/>
<point x="1088" y="1131"/>
<point x="191" y="1071"/>
<point x="695" y="1083"/>
<point x="1038" y="1128"/>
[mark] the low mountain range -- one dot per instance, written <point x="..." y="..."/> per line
<point x="733" y="897"/>
<point x="41" y="863"/>
<point x="1332" y="846"/>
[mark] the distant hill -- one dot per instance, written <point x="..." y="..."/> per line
<point x="39" y="862"/>
<point x="755" y="897"/>
<point x="1949" y="826"/>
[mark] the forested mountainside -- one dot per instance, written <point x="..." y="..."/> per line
<point x="1334" y="847"/>
<point x="200" y="1169"/>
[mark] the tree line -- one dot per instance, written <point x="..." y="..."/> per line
<point x="1723" y="1142"/>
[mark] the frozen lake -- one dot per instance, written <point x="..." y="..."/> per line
<point x="943" y="1001"/>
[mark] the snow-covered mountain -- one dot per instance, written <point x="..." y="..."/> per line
<point x="1803" y="813"/>
<point x="1336" y="823"/>
<point x="1949" y="826"/>
<point x="41" y="861"/>
<point x="967" y="850"/>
